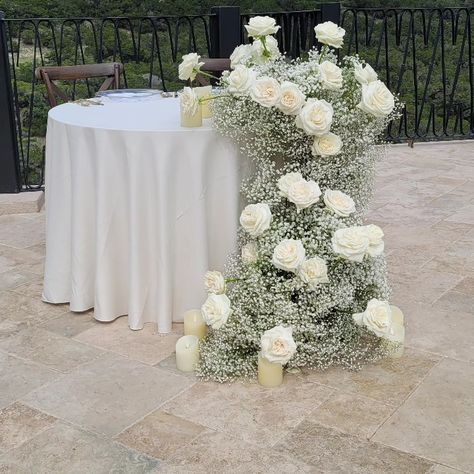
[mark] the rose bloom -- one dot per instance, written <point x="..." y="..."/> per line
<point x="261" y="26"/>
<point x="272" y="47"/>
<point x="339" y="202"/>
<point x="351" y="243"/>
<point x="314" y="271"/>
<point x="315" y="117"/>
<point x="328" y="144"/>
<point x="189" y="101"/>
<point x="214" y="282"/>
<point x="376" y="318"/>
<point x="249" y="253"/>
<point x="241" y="55"/>
<point x="240" y="80"/>
<point x="330" y="76"/>
<point x="292" y="99"/>
<point x="288" y="255"/>
<point x="329" y="33"/>
<point x="375" y="235"/>
<point x="286" y="181"/>
<point x="216" y="310"/>
<point x="303" y="194"/>
<point x="265" y="91"/>
<point x="277" y="344"/>
<point x="189" y="66"/>
<point x="364" y="74"/>
<point x="376" y="99"/>
<point x="256" y="218"/>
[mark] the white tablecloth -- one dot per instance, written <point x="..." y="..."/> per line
<point x="138" y="209"/>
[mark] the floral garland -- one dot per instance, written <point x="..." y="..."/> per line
<point x="309" y="288"/>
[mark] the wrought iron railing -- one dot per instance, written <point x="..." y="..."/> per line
<point x="424" y="55"/>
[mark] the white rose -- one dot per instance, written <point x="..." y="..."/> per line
<point x="303" y="193"/>
<point x="216" y="310"/>
<point x="329" y="33"/>
<point x="265" y="91"/>
<point x="240" y="80"/>
<point x="314" y="271"/>
<point x="249" y="253"/>
<point x="256" y="219"/>
<point x="288" y="255"/>
<point x="189" y="66"/>
<point x="286" y="181"/>
<point x="376" y="99"/>
<point x="278" y="345"/>
<point x="375" y="235"/>
<point x="330" y="76"/>
<point x="261" y="26"/>
<point x="214" y="282"/>
<point x="241" y="55"/>
<point x="351" y="243"/>
<point x="292" y="99"/>
<point x="328" y="144"/>
<point x="377" y="318"/>
<point x="189" y="101"/>
<point x="339" y="202"/>
<point x="259" y="55"/>
<point x="315" y="117"/>
<point x="364" y="74"/>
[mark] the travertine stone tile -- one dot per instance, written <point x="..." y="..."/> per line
<point x="455" y="301"/>
<point x="439" y="469"/>
<point x="437" y="421"/>
<point x="32" y="288"/>
<point x="19" y="377"/>
<point x="108" y="394"/>
<point x="14" y="278"/>
<point x="71" y="324"/>
<point x="146" y="345"/>
<point x="389" y="381"/>
<point x="63" y="449"/>
<point x="160" y="434"/>
<point x="21" y="232"/>
<point x="19" y="423"/>
<point x="247" y="410"/>
<point x="465" y="215"/>
<point x="423" y="323"/>
<point x="22" y="308"/>
<point x="351" y="414"/>
<point x="331" y="451"/>
<point x="170" y="364"/>
<point x="213" y="453"/>
<point x="49" y="349"/>
<point x="11" y="258"/>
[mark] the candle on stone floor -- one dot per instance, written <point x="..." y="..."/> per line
<point x="399" y="331"/>
<point x="194" y="324"/>
<point x="270" y="374"/>
<point x="205" y="92"/>
<point x="187" y="353"/>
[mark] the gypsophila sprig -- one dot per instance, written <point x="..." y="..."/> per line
<point x="306" y="261"/>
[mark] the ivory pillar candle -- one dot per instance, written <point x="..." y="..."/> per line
<point x="270" y="374"/>
<point x="205" y="92"/>
<point x="187" y="353"/>
<point x="194" y="324"/>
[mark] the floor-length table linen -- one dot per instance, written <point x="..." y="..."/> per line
<point x="138" y="208"/>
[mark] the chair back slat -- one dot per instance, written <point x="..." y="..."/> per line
<point x="214" y="66"/>
<point x="111" y="72"/>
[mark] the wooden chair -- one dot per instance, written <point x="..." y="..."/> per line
<point x="214" y="66"/>
<point x="111" y="71"/>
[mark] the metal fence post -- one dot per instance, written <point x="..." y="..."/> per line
<point x="9" y="156"/>
<point x="331" y="12"/>
<point x="225" y="31"/>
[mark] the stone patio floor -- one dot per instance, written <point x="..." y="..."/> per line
<point x="78" y="396"/>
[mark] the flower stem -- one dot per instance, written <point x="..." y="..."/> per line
<point x="324" y="50"/>
<point x="266" y="53"/>
<point x="198" y="71"/>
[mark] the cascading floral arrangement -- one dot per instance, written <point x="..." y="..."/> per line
<point x="309" y="288"/>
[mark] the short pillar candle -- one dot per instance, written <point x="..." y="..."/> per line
<point x="270" y="374"/>
<point x="194" y="324"/>
<point x="205" y="92"/>
<point x="187" y="353"/>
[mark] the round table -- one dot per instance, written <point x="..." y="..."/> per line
<point x="138" y="209"/>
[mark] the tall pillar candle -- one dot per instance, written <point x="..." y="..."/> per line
<point x="194" y="324"/>
<point x="205" y="92"/>
<point x="187" y="353"/>
<point x="270" y="374"/>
